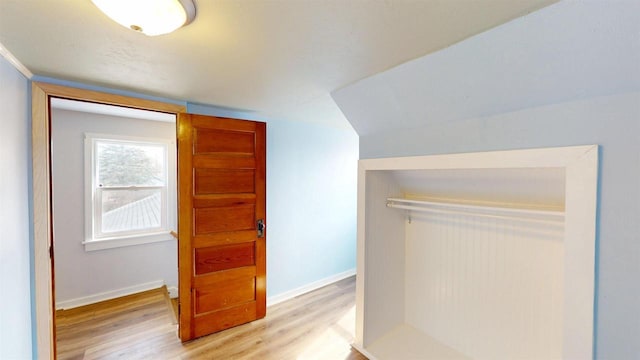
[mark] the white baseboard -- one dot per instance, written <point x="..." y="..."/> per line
<point x="108" y="295"/>
<point x="173" y="291"/>
<point x="276" y="299"/>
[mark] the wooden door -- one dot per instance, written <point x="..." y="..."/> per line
<point x="222" y="198"/>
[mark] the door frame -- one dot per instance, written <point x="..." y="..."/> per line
<point x="43" y="296"/>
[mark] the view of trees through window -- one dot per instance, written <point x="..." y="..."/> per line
<point x="135" y="165"/>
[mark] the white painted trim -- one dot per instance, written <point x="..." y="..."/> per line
<point x="507" y="159"/>
<point x="173" y="291"/>
<point x="360" y="256"/>
<point x="128" y="241"/>
<point x="108" y="295"/>
<point x="581" y="167"/>
<point x="287" y="295"/>
<point x="92" y="216"/>
<point x="15" y="62"/>
<point x="581" y="202"/>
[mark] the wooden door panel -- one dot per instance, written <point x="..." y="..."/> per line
<point x="224" y="141"/>
<point x="226" y="294"/>
<point x="208" y="161"/>
<point x="227" y="275"/>
<point x="211" y="322"/>
<point x="219" y="200"/>
<point x="222" y="195"/>
<point x="225" y="257"/>
<point x="223" y="238"/>
<point x="228" y="218"/>
<point x="213" y="181"/>
<point x="219" y="123"/>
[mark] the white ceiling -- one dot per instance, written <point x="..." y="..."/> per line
<point x="111" y="110"/>
<point x="279" y="58"/>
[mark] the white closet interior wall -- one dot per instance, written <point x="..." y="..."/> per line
<point x="465" y="283"/>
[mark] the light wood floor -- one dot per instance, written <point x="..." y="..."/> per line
<point x="317" y="325"/>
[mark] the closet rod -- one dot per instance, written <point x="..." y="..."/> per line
<point x="476" y="207"/>
<point x="471" y="210"/>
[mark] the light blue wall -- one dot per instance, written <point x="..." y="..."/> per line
<point x="613" y="122"/>
<point x="311" y="203"/>
<point x="15" y="258"/>
<point x="311" y="200"/>
<point x="568" y="74"/>
<point x="567" y="51"/>
<point x="311" y="194"/>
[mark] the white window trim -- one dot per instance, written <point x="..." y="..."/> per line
<point x="156" y="235"/>
<point x="129" y="240"/>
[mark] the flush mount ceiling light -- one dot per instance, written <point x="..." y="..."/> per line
<point x="150" y="17"/>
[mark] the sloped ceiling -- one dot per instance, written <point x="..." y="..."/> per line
<point x="568" y="51"/>
<point x="278" y="58"/>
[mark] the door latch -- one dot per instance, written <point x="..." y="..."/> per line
<point x="260" y="225"/>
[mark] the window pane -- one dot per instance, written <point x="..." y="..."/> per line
<point x="131" y="210"/>
<point x="124" y="164"/>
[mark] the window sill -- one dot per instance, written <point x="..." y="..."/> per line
<point x="110" y="243"/>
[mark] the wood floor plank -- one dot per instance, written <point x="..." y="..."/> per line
<point x="318" y="325"/>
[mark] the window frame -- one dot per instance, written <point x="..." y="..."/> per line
<point x="94" y="240"/>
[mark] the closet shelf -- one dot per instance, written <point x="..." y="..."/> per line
<point x="490" y="210"/>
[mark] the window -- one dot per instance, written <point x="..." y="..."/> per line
<point x="130" y="191"/>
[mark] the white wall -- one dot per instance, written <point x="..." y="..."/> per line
<point x="568" y="74"/>
<point x="80" y="274"/>
<point x="15" y="267"/>
<point x="465" y="272"/>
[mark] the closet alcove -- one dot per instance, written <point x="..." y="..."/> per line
<point x="477" y="256"/>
